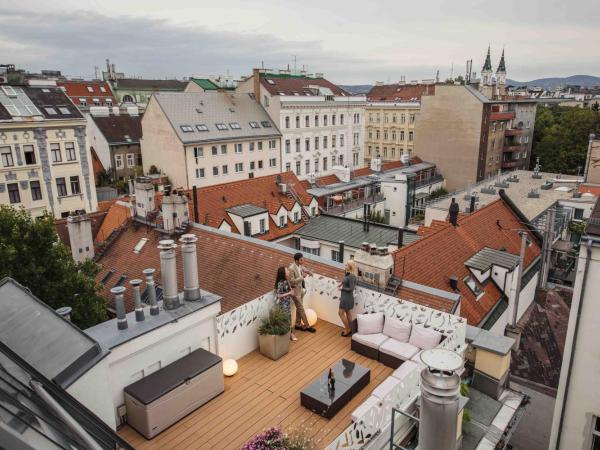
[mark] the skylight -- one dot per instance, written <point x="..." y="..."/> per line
<point x="254" y="125"/>
<point x="90" y="88"/>
<point x="51" y="111"/>
<point x="221" y="126"/>
<point x="64" y="110"/>
<point x="106" y="277"/>
<point x="186" y="128"/>
<point x="473" y="286"/>
<point x="201" y="127"/>
<point x="102" y="89"/>
<point x="9" y="91"/>
<point x="140" y="245"/>
<point x="235" y="126"/>
<point x="121" y="281"/>
<point x="270" y="81"/>
<point x="266" y="124"/>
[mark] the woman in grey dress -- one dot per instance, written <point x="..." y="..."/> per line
<point x="347" y="297"/>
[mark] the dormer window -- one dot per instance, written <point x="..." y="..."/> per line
<point x="282" y="221"/>
<point x="235" y="126"/>
<point x="201" y="127"/>
<point x="266" y="124"/>
<point x="186" y="128"/>
<point x="90" y="88"/>
<point x="221" y="126"/>
<point x="254" y="124"/>
<point x="473" y="286"/>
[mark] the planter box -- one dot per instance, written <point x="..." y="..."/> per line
<point x="274" y="346"/>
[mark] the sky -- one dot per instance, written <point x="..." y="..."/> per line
<point x="350" y="42"/>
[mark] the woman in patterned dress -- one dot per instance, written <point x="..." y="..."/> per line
<point x="284" y="294"/>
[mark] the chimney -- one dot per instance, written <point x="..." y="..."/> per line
<point x="453" y="211"/>
<point x="149" y="274"/>
<point x="453" y="282"/>
<point x="195" y="194"/>
<point x="341" y="251"/>
<point x="118" y="292"/>
<point x="472" y="204"/>
<point x="373" y="249"/>
<point x="65" y="312"/>
<point x="137" y="297"/>
<point x="365" y="246"/>
<point x="400" y="237"/>
<point x="256" y="84"/>
<point x="168" y="270"/>
<point x="80" y="237"/>
<point x="144" y="196"/>
<point x="382" y="251"/>
<point x="440" y="399"/>
<point x="191" y="286"/>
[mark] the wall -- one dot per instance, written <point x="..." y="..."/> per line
<point x="396" y="196"/>
<point x="254" y="222"/>
<point x="448" y="133"/>
<point x="97" y="140"/>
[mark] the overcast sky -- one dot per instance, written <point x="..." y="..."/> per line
<point x="351" y="42"/>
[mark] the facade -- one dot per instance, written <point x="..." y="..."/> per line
<point x="87" y="94"/>
<point x="46" y="163"/>
<point x="390" y="117"/>
<point x="576" y="421"/>
<point x="115" y="139"/>
<point x="205" y="138"/>
<point x="321" y="124"/>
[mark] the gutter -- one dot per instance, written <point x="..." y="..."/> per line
<point x="588" y="252"/>
<point x="521" y="216"/>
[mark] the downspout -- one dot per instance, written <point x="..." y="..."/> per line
<point x="187" y="179"/>
<point x="588" y="251"/>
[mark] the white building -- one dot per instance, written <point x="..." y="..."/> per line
<point x="322" y="125"/>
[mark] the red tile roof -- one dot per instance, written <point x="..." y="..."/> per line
<point x="261" y="191"/>
<point x="237" y="269"/>
<point x="443" y="250"/>
<point x="116" y="216"/>
<point x="590" y="188"/>
<point x="400" y="92"/>
<point x="79" y="89"/>
<point x="292" y="84"/>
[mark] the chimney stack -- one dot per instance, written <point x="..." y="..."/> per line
<point x="400" y="237"/>
<point x="453" y="281"/>
<point x="149" y="274"/>
<point x="137" y="298"/>
<point x="453" y="212"/>
<point x="168" y="270"/>
<point x="118" y="292"/>
<point x="191" y="286"/>
<point x="472" y="204"/>
<point x="81" y="239"/>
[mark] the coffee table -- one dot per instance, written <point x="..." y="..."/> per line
<point x="350" y="378"/>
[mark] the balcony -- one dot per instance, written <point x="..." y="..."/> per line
<point x="512" y="164"/>
<point x="506" y="115"/>
<point x="514" y="132"/>
<point x="514" y="148"/>
<point x="346" y="206"/>
<point x="437" y="178"/>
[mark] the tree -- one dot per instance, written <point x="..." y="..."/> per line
<point x="32" y="254"/>
<point x="561" y="137"/>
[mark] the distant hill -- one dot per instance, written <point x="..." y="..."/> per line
<point x="356" y="88"/>
<point x="551" y="83"/>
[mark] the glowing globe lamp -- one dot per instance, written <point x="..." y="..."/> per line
<point x="230" y="367"/>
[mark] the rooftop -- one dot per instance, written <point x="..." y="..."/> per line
<point x="199" y="117"/>
<point x="120" y="129"/>
<point x="400" y="92"/>
<point x="150" y="85"/>
<point x="593" y="226"/>
<point x="77" y="89"/>
<point x="300" y="85"/>
<point x="46" y="102"/>
<point x="246" y="210"/>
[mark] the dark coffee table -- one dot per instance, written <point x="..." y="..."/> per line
<point x="350" y="378"/>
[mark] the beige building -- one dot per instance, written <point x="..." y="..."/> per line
<point x="390" y="117"/>
<point x="45" y="162"/>
<point x="205" y="138"/>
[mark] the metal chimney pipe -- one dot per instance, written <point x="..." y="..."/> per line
<point x="191" y="285"/>
<point x="168" y="271"/>
<point x="400" y="237"/>
<point x="118" y="291"/>
<point x="453" y="212"/>
<point x="149" y="274"/>
<point x="472" y="204"/>
<point x="341" y="251"/>
<point x="137" y="298"/>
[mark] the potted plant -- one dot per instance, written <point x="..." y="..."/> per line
<point x="274" y="334"/>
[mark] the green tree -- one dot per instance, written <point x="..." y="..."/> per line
<point x="32" y="254"/>
<point x="561" y="137"/>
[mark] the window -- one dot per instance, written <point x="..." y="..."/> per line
<point x="201" y="127"/>
<point x="224" y="169"/>
<point x="341" y="119"/>
<point x="254" y="124"/>
<point x="29" y="154"/>
<point x="252" y="165"/>
<point x="282" y="221"/>
<point x="288" y="167"/>
<point x="223" y="149"/>
<point x="235" y="126"/>
<point x="214" y="150"/>
<point x="75" y="188"/>
<point x="313" y="211"/>
<point x="61" y="187"/>
<point x="266" y="102"/>
<point x="119" y="161"/>
<point x="333" y="141"/>
<point x="36" y="190"/>
<point x="341" y="140"/>
<point x="198" y="153"/>
<point x="307" y="166"/>
<point x="335" y="255"/>
<point x="377" y="134"/>
<point x="296" y="216"/>
<point x="402" y="136"/>
<point x="221" y="126"/>
<point x="411" y="136"/>
<point x="51" y="111"/>
<point x="402" y="118"/>
<point x="287" y="146"/>
<point x="215" y="171"/>
<point x="102" y="89"/>
<point x="297" y="145"/>
<point x="272" y="144"/>
<point x="578" y="214"/>
<point x="356" y="136"/>
<point x="70" y="151"/>
<point x="287" y="122"/>
<point x="186" y="128"/>
<point x="316" y="121"/>
<point x="316" y="165"/>
<point x="412" y="118"/>
<point x="324" y="164"/>
<point x="317" y="143"/>
<point x="200" y="173"/>
<point x="238" y="148"/>
<point x="262" y="226"/>
<point x="64" y="110"/>
<point x="325" y="120"/>
<point x="260" y="145"/>
<point x="307" y="121"/>
<point x="341" y="160"/>
<point x="7" y="157"/>
<point x="55" y="151"/>
<point x="251" y="147"/>
<point x="357" y="118"/>
<point x="266" y="124"/>
<point x="90" y="88"/>
<point x="333" y="119"/>
<point x="260" y="164"/>
<point x="272" y="162"/>
<point x="473" y="286"/>
<point x="324" y="141"/>
<point x="595" y="433"/>
<point x="13" y="193"/>
<point x="298" y="168"/>
<point x="130" y="160"/>
<point x="297" y="121"/>
<point x="239" y="167"/>
<point x="307" y="144"/>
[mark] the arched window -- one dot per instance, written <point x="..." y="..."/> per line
<point x="128" y="99"/>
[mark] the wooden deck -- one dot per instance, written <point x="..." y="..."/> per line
<point x="266" y="393"/>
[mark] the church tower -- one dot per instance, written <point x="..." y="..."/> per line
<point x="486" y="72"/>
<point x="501" y="76"/>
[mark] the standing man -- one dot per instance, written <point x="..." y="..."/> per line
<point x="297" y="274"/>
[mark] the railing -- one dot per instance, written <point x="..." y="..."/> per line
<point x="514" y="132"/>
<point x="354" y="204"/>
<point x="511" y="164"/>
<point x="431" y="180"/>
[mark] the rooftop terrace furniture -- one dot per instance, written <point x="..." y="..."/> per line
<point x="162" y="398"/>
<point x="350" y="378"/>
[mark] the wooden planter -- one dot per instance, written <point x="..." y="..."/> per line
<point x="274" y="346"/>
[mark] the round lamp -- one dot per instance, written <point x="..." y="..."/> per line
<point x="311" y="315"/>
<point x="230" y="367"/>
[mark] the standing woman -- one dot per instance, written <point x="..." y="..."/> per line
<point x="283" y="290"/>
<point x="347" y="297"/>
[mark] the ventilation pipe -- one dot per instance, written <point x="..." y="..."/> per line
<point x="472" y="204"/>
<point x="150" y="287"/>
<point x="137" y="298"/>
<point x="400" y="237"/>
<point x="453" y="212"/>
<point x="168" y="271"/>
<point x="191" y="286"/>
<point x="118" y="292"/>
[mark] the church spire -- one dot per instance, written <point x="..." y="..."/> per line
<point x="487" y="66"/>
<point x="501" y="65"/>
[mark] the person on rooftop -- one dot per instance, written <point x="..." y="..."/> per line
<point x="347" y="297"/>
<point x="284" y="294"/>
<point x="297" y="274"/>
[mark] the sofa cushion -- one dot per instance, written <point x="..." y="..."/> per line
<point x="364" y="407"/>
<point x="406" y="368"/>
<point x="370" y="323"/>
<point x="370" y="340"/>
<point x="386" y="387"/>
<point x="396" y="329"/>
<point x="424" y="338"/>
<point x="400" y="350"/>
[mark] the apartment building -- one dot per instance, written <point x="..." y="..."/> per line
<point x="390" y="117"/>
<point x="205" y="138"/>
<point x="87" y="94"/>
<point x="321" y="124"/>
<point x="45" y="161"/>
